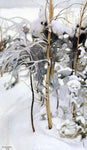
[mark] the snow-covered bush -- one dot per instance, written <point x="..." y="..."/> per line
<point x="22" y="52"/>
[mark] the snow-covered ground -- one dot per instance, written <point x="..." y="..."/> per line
<point x="15" y="124"/>
<point x="15" y="105"/>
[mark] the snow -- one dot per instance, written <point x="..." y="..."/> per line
<point x="36" y="27"/>
<point x="86" y="43"/>
<point x="20" y="12"/>
<point x="65" y="72"/>
<point x="82" y="52"/>
<point x="59" y="27"/>
<point x="15" y="126"/>
<point x="81" y="119"/>
<point x="74" y="85"/>
<point x="66" y="36"/>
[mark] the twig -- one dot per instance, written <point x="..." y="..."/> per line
<point x="60" y="3"/>
<point x="60" y="13"/>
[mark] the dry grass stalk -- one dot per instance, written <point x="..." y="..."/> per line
<point x="74" y="111"/>
<point x="48" y="68"/>
<point x="52" y="70"/>
<point x="32" y="105"/>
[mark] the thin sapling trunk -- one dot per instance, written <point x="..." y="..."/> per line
<point x="48" y="68"/>
<point x="32" y="104"/>
<point x="76" y="55"/>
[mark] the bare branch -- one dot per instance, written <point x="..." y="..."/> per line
<point x="60" y="13"/>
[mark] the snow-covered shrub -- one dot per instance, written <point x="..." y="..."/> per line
<point x="22" y="53"/>
<point x="37" y="26"/>
<point x="74" y="87"/>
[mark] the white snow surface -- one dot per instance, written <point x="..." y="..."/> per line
<point x="59" y="27"/>
<point x="74" y="85"/>
<point x="15" y="124"/>
<point x="86" y="43"/>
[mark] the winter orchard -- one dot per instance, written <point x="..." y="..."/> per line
<point x="53" y="51"/>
